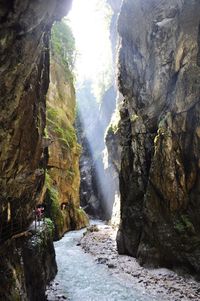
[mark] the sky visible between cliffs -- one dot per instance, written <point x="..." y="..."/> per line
<point x="90" y="21"/>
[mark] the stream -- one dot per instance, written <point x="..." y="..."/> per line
<point x="80" y="278"/>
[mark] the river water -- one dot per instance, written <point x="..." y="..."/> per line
<point x="80" y="278"/>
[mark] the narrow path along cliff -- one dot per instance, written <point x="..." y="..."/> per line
<point x="89" y="269"/>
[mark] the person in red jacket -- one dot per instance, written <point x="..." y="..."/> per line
<point x="39" y="214"/>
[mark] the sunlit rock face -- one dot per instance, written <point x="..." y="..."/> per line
<point x="24" y="79"/>
<point x="116" y="7"/>
<point x="159" y="77"/>
<point x="61" y="194"/>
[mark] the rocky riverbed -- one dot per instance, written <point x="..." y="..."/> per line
<point x="81" y="278"/>
<point x="100" y="241"/>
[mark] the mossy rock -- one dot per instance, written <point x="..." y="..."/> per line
<point x="63" y="46"/>
<point x="56" y="124"/>
<point x="64" y="220"/>
<point x="184" y="226"/>
<point x="81" y="218"/>
<point x="53" y="211"/>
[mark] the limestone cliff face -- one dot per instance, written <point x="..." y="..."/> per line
<point x="24" y="78"/>
<point x="63" y="176"/>
<point x="159" y="77"/>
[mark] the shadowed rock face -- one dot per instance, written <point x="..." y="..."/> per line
<point x="24" y="78"/>
<point x="27" y="265"/>
<point x="159" y="77"/>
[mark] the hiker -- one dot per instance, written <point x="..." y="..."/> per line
<point x="39" y="213"/>
<point x="63" y="206"/>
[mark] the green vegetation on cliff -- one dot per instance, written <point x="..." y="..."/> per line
<point x="71" y="217"/>
<point x="63" y="43"/>
<point x="62" y="179"/>
<point x="53" y="210"/>
<point x="56" y="122"/>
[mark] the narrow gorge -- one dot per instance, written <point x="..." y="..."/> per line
<point x="99" y="150"/>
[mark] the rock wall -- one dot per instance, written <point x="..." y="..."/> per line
<point x="89" y="197"/>
<point x="159" y="77"/>
<point x="86" y="126"/>
<point x="27" y="265"/>
<point x="24" y="78"/>
<point x="62" y="177"/>
<point x="113" y="147"/>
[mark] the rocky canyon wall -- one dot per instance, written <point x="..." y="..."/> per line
<point x="62" y="181"/>
<point x="159" y="77"/>
<point x="24" y="79"/>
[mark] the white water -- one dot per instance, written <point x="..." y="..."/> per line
<point x="80" y="278"/>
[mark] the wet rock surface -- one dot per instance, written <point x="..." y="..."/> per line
<point x="159" y="179"/>
<point x="164" y="284"/>
<point x="27" y="265"/>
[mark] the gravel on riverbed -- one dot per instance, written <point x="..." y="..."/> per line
<point x="100" y="241"/>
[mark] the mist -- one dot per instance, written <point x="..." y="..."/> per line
<point x="96" y="102"/>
